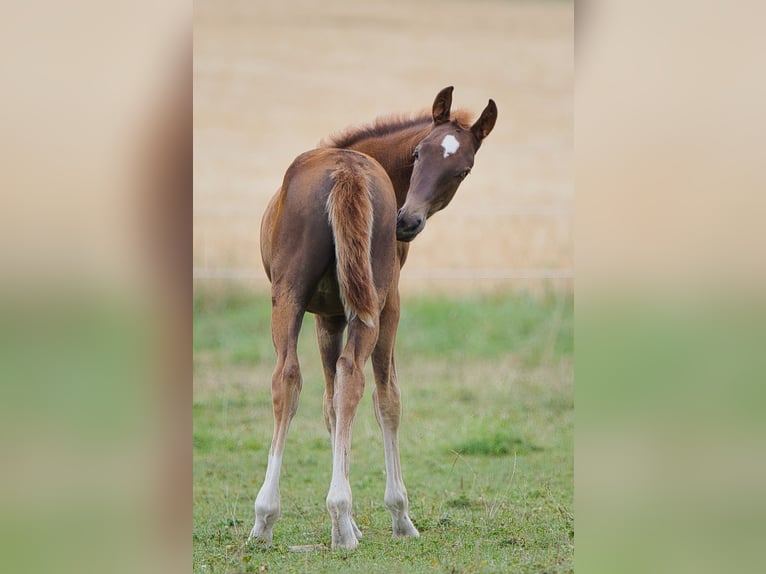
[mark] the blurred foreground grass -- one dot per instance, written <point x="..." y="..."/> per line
<point x="78" y="405"/>
<point x="486" y="440"/>
<point x="670" y="402"/>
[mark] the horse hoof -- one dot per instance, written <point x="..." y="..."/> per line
<point x="261" y="533"/>
<point x="345" y="534"/>
<point x="351" y="544"/>
<point x="405" y="529"/>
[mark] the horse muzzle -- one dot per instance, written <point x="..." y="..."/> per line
<point x="408" y="226"/>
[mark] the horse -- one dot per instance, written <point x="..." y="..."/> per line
<point x="333" y="241"/>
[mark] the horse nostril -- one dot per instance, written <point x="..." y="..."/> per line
<point x="404" y="224"/>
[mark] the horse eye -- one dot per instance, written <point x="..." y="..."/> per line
<point x="416" y="154"/>
<point x="463" y="174"/>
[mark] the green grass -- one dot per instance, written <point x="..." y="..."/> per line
<point x="486" y="441"/>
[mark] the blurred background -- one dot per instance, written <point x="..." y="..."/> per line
<point x="272" y="79"/>
<point x="670" y="320"/>
<point x="95" y="252"/>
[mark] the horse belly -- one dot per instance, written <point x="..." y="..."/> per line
<point x="326" y="297"/>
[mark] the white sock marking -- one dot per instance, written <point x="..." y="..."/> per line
<point x="269" y="493"/>
<point x="450" y="144"/>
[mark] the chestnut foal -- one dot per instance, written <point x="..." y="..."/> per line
<point x="333" y="240"/>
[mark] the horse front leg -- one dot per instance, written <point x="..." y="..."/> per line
<point x="349" y="388"/>
<point x="388" y="410"/>
<point x="286" y="386"/>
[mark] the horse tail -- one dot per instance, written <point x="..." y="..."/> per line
<point x="349" y="207"/>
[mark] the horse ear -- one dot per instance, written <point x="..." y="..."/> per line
<point x="486" y="122"/>
<point x="442" y="105"/>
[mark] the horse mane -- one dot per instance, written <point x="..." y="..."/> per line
<point x="390" y="124"/>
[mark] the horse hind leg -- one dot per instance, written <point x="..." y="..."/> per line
<point x="330" y="338"/>
<point x="286" y="386"/>
<point x="388" y="411"/>
<point x="348" y="390"/>
<point x="388" y="408"/>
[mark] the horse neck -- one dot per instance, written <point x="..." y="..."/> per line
<point x="394" y="152"/>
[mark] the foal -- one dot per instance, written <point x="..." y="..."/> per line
<point x="333" y="240"/>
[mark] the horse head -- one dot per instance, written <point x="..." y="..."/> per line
<point x="442" y="160"/>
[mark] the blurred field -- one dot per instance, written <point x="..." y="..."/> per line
<point x="272" y="79"/>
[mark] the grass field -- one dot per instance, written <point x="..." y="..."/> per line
<point x="486" y="441"/>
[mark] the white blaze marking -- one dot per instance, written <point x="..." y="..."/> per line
<point x="450" y="144"/>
